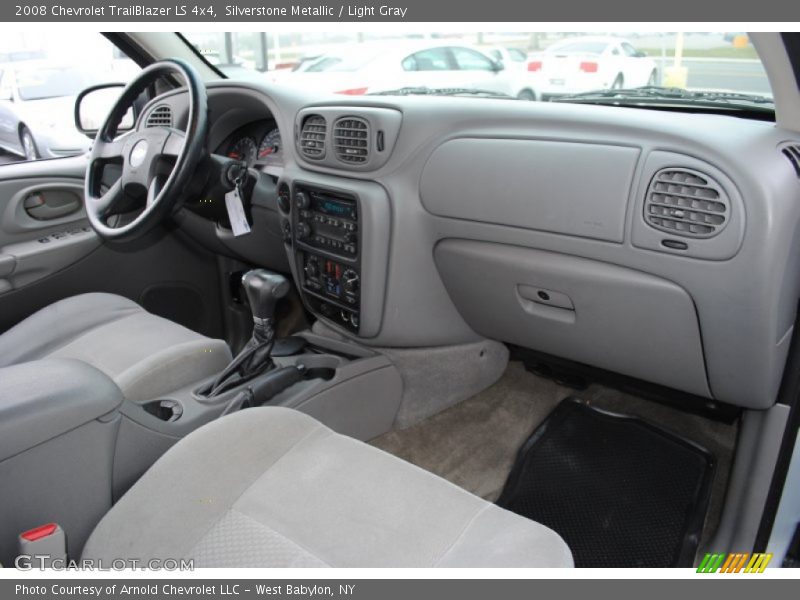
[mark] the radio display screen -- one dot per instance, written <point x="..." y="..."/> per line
<point x="334" y="207"/>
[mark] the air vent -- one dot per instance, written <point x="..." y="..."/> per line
<point x="312" y="137"/>
<point x="160" y="116"/>
<point x="686" y="203"/>
<point x="351" y="140"/>
<point x="792" y="153"/>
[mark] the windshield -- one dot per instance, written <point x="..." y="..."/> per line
<point x="529" y="66"/>
<point x="41" y="82"/>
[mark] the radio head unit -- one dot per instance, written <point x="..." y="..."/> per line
<point x="326" y="245"/>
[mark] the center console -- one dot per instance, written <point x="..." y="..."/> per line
<point x="326" y="237"/>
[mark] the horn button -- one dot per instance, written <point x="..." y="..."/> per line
<point x="138" y="154"/>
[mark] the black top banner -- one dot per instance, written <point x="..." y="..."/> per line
<point x="711" y="11"/>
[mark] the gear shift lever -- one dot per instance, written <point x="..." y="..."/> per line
<point x="263" y="289"/>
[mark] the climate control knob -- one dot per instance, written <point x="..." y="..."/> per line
<point x="350" y="281"/>
<point x="312" y="269"/>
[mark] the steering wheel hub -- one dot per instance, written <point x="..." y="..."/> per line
<point x="138" y="154"/>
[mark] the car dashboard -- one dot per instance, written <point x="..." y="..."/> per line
<point x="660" y="245"/>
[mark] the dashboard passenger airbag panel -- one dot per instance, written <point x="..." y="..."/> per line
<point x="556" y="186"/>
<point x="588" y="311"/>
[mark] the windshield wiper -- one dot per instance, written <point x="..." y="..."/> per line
<point x="426" y="91"/>
<point x="653" y="94"/>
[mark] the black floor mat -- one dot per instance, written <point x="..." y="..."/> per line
<point x="621" y="492"/>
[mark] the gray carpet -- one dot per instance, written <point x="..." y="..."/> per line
<point x="474" y="444"/>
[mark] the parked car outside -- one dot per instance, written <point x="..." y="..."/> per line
<point x="371" y="68"/>
<point x="37" y="103"/>
<point x="582" y="64"/>
<point x="517" y="59"/>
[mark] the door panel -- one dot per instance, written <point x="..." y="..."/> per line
<point x="36" y="243"/>
<point x="45" y="260"/>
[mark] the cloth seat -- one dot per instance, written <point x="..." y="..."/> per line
<point x="272" y="487"/>
<point x="145" y="355"/>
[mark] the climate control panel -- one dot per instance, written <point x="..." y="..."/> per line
<point x="332" y="288"/>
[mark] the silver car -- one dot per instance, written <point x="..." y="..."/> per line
<point x="37" y="101"/>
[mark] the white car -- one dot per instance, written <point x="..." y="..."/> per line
<point x="583" y="64"/>
<point x="37" y="108"/>
<point x="371" y="68"/>
<point x="517" y="60"/>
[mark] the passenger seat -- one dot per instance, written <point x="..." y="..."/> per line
<point x="272" y="487"/>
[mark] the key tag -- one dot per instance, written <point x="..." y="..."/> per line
<point x="233" y="202"/>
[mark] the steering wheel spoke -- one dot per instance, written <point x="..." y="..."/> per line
<point x="109" y="150"/>
<point x="173" y="144"/>
<point x="108" y="203"/>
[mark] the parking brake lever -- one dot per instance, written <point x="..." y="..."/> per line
<point x="265" y="388"/>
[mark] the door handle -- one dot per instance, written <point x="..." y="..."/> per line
<point x="46" y="205"/>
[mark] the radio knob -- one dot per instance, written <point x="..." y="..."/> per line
<point x="301" y="201"/>
<point x="303" y="230"/>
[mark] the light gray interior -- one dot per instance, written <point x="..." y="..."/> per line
<point x="481" y="223"/>
<point x="435" y="193"/>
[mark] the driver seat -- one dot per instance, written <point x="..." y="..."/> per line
<point x="145" y="355"/>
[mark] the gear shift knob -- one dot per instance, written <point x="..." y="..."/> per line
<point x="264" y="289"/>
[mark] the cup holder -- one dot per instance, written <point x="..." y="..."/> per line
<point x="321" y="366"/>
<point x="324" y="373"/>
<point x="166" y="409"/>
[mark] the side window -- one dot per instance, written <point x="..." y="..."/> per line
<point x="6" y="93"/>
<point x="470" y="60"/>
<point x="517" y="55"/>
<point x="434" y="59"/>
<point x="629" y="50"/>
<point x="47" y="74"/>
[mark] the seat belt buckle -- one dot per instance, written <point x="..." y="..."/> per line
<point x="43" y="544"/>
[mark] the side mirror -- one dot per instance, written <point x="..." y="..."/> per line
<point x="498" y="66"/>
<point x="93" y="105"/>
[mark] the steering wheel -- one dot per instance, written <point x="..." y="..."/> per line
<point x="145" y="155"/>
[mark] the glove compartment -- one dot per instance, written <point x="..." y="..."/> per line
<point x="588" y="311"/>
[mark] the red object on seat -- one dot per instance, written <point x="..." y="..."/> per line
<point x="38" y="533"/>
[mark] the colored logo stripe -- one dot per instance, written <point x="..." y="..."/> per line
<point x="734" y="563"/>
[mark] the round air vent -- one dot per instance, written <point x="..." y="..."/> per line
<point x="686" y="203"/>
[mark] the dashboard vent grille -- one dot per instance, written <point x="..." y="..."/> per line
<point x="312" y="137"/>
<point x="792" y="152"/>
<point x="160" y="116"/>
<point x="686" y="203"/>
<point x="351" y="140"/>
